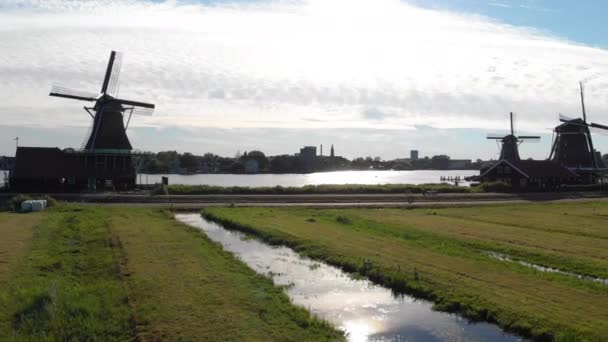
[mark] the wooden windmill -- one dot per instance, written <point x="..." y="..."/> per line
<point x="573" y="144"/>
<point x="109" y="112"/>
<point x="509" y="143"/>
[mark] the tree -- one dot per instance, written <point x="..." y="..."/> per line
<point x="258" y="156"/>
<point x="283" y="164"/>
<point x="188" y="161"/>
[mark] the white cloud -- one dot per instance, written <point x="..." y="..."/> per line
<point x="308" y="64"/>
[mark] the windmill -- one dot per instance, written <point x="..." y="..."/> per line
<point x="108" y="131"/>
<point x="510" y="142"/>
<point x="573" y="145"/>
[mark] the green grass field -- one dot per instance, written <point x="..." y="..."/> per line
<point x="120" y="274"/>
<point x="442" y="254"/>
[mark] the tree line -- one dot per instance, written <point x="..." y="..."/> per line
<point x="174" y="162"/>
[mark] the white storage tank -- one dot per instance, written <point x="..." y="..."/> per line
<point x="38" y="205"/>
<point x="33" y="205"/>
<point x="26" y="206"/>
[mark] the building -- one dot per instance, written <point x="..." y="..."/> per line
<point x="536" y="174"/>
<point x="459" y="164"/>
<point x="307" y="158"/>
<point x="51" y="169"/>
<point x="331" y="152"/>
<point x="414" y="155"/>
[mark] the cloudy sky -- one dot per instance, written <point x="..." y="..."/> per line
<point x="375" y="77"/>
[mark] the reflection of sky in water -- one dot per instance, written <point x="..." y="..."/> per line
<point x="364" y="310"/>
<point x="337" y="177"/>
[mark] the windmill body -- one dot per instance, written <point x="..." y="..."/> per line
<point x="573" y="144"/>
<point x="509" y="149"/>
<point x="108" y="131"/>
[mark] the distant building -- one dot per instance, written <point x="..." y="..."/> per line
<point x="414" y="154"/>
<point x="252" y="166"/>
<point x="308" y="156"/>
<point x="331" y="152"/>
<point x="175" y="168"/>
<point x="459" y="164"/>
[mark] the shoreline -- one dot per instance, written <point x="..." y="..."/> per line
<point x="321" y="200"/>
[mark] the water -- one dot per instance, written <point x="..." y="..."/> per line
<point x="366" y="312"/>
<point x="3" y="178"/>
<point x="503" y="257"/>
<point x="298" y="180"/>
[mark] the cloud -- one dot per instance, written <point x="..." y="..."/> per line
<point x="381" y="64"/>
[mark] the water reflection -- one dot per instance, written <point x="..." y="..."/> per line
<point x="297" y="180"/>
<point x="503" y="257"/>
<point x="367" y="312"/>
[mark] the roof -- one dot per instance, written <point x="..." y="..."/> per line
<point x="35" y="162"/>
<point x="536" y="169"/>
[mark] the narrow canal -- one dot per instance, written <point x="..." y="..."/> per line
<point x="365" y="311"/>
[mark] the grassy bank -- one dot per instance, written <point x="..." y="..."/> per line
<point x="122" y="274"/>
<point x="441" y="254"/>
<point x="67" y="287"/>
<point x="183" y="286"/>
<point x="315" y="189"/>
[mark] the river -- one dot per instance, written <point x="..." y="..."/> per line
<point x="365" y="311"/>
<point x="298" y="180"/>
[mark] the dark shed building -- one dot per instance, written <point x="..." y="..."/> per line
<point x="537" y="174"/>
<point x="51" y="169"/>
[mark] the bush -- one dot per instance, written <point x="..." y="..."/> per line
<point x="343" y="220"/>
<point x="495" y="187"/>
<point x="14" y="204"/>
<point x="317" y="189"/>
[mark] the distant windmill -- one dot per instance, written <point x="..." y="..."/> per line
<point x="573" y="146"/>
<point x="509" y="150"/>
<point x="109" y="130"/>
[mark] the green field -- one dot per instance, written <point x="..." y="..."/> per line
<point x="442" y="254"/>
<point x="119" y="274"/>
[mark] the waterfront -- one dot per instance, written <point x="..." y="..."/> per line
<point x="363" y="310"/>
<point x="298" y="180"/>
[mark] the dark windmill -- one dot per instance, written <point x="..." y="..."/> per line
<point x="107" y="160"/>
<point x="108" y="131"/>
<point x="573" y="145"/>
<point x="509" y="150"/>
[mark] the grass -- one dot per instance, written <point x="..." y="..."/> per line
<point x="186" y="287"/>
<point x="67" y="289"/>
<point x="118" y="274"/>
<point x="17" y="232"/>
<point x="315" y="189"/>
<point x="441" y="255"/>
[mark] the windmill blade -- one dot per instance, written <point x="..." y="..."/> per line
<point x="495" y="136"/>
<point x="135" y="103"/>
<point x="110" y="81"/>
<point x="594" y="125"/>
<point x="143" y="111"/>
<point x="528" y="137"/>
<point x="58" y="91"/>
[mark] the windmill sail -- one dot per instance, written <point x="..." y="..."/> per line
<point x="108" y="130"/>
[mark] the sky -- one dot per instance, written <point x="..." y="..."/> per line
<point x="371" y="77"/>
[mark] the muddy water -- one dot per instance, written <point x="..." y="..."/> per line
<point x="366" y="312"/>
